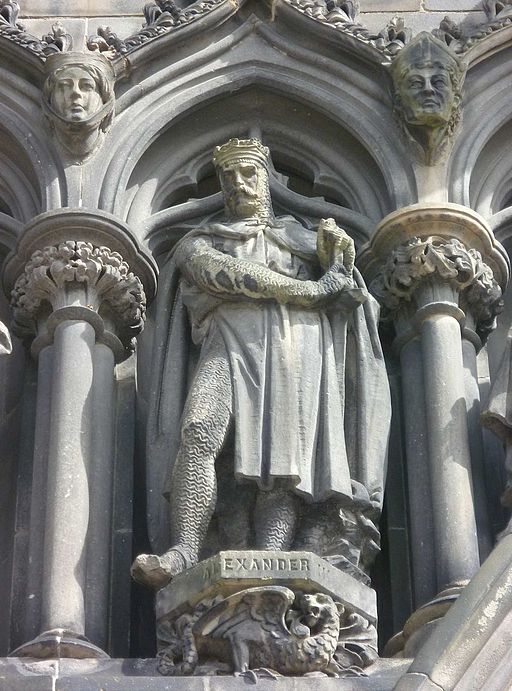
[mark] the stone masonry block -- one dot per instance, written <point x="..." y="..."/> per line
<point x="387" y="6"/>
<point x="453" y="5"/>
<point x="423" y="21"/>
<point x="80" y="8"/>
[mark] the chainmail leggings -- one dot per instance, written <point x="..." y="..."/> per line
<point x="205" y="425"/>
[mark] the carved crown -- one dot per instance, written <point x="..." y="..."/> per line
<point x="241" y="149"/>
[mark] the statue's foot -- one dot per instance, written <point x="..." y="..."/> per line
<point x="155" y="571"/>
<point x="253" y="675"/>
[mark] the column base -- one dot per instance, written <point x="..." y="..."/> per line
<point x="422" y="622"/>
<point x="59" y="643"/>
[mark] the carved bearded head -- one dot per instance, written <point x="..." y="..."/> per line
<point x="78" y="99"/>
<point x="242" y="166"/>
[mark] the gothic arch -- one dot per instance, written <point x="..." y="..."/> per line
<point x="31" y="179"/>
<point x="375" y="179"/>
<point x="482" y="160"/>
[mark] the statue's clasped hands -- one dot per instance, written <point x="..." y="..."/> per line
<point x="334" y="246"/>
<point x="336" y="252"/>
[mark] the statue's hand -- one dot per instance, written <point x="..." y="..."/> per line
<point x="335" y="281"/>
<point x="334" y="246"/>
<point x="339" y="290"/>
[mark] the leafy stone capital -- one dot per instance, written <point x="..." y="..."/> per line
<point x="79" y="280"/>
<point x="447" y="261"/>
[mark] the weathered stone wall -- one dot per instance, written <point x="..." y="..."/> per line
<point x="125" y="16"/>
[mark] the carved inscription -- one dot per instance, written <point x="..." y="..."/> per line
<point x="245" y="564"/>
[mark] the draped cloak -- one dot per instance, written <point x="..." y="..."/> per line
<point x="497" y="416"/>
<point x="311" y="400"/>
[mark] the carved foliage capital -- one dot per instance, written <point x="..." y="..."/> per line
<point x="449" y="260"/>
<point x="72" y="271"/>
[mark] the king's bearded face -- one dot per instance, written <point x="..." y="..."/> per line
<point x="245" y="188"/>
<point x="426" y="95"/>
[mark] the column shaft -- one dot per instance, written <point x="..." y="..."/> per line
<point x="418" y="476"/>
<point x="456" y="545"/>
<point x="38" y="502"/>
<point x="101" y="479"/>
<point x="477" y="450"/>
<point x="69" y="460"/>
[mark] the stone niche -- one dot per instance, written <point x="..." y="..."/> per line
<point x="255" y="345"/>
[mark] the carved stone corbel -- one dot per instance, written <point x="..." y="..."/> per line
<point x="78" y="100"/>
<point x="274" y="613"/>
<point x="427" y="79"/>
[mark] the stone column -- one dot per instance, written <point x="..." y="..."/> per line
<point x="454" y="525"/>
<point x="435" y="270"/>
<point x="473" y="336"/>
<point x="408" y="346"/>
<point x="101" y="505"/>
<point x="86" y="306"/>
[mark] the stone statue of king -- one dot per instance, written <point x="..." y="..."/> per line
<point x="289" y="364"/>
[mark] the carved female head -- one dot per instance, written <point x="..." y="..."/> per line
<point x="78" y="98"/>
<point x="77" y="91"/>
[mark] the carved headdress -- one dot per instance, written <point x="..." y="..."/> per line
<point x="425" y="50"/>
<point x="241" y="150"/>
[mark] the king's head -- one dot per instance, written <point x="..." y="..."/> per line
<point x="242" y="165"/>
<point x="241" y="150"/>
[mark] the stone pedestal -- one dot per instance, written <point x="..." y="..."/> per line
<point x="291" y="612"/>
<point x="438" y="273"/>
<point x="142" y="675"/>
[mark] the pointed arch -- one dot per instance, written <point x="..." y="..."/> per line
<point x="328" y="129"/>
